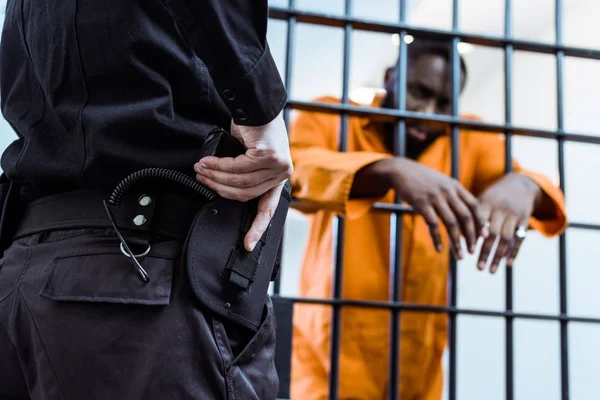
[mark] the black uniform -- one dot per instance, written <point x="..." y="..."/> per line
<point x="96" y="90"/>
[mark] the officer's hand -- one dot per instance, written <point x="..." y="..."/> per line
<point x="507" y="205"/>
<point x="261" y="171"/>
<point x="434" y="195"/>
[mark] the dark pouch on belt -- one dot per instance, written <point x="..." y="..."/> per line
<point x="226" y="278"/>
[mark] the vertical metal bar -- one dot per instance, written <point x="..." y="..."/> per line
<point x="289" y="61"/>
<point x="564" y="339"/>
<point x="289" y="56"/>
<point x="508" y="64"/>
<point x="339" y="250"/>
<point x="396" y="226"/>
<point x="455" y="140"/>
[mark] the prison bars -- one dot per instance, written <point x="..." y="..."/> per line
<point x="509" y="44"/>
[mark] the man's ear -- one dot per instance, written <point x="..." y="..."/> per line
<point x="388" y="75"/>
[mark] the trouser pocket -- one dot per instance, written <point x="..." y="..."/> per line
<point x="87" y="327"/>
<point x="249" y="357"/>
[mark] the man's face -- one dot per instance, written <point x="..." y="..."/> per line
<point x="428" y="90"/>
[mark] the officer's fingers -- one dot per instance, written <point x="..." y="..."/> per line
<point x="239" y="194"/>
<point x="237" y="165"/>
<point x="266" y="209"/>
<point x="245" y="180"/>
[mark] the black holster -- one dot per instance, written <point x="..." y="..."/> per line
<point x="226" y="278"/>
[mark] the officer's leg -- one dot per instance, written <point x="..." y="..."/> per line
<point x="98" y="332"/>
<point x="12" y="382"/>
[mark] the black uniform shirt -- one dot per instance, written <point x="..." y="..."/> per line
<point x="96" y="90"/>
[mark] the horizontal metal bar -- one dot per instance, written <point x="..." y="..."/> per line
<point x="385" y="114"/>
<point x="401" y="208"/>
<point x="391" y="207"/>
<point x="585" y="226"/>
<point x="387" y="27"/>
<point x="436" y="309"/>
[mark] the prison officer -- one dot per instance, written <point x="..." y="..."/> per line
<point x="96" y="90"/>
<point x="481" y="202"/>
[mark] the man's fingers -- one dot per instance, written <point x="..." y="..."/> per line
<point x="266" y="205"/>
<point x="238" y="165"/>
<point x="488" y="244"/>
<point x="485" y="212"/>
<point x="238" y="194"/>
<point x="432" y="221"/>
<point x="243" y="180"/>
<point x="481" y="213"/>
<point x="452" y="225"/>
<point x="517" y="241"/>
<point x="506" y="237"/>
<point x="467" y="221"/>
<point x="252" y="160"/>
<point x="266" y="209"/>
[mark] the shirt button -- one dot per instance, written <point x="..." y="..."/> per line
<point x="241" y="114"/>
<point x="229" y="94"/>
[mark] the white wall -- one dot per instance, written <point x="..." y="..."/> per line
<point x="481" y="340"/>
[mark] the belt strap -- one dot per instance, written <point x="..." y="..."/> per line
<point x="166" y="215"/>
<point x="242" y="265"/>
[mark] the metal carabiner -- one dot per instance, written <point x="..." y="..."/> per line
<point x="125" y="247"/>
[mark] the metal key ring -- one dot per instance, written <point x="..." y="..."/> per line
<point x="145" y="253"/>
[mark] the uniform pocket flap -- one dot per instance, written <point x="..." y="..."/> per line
<point x="108" y="278"/>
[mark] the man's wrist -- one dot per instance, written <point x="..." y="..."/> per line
<point x="387" y="171"/>
<point x="374" y="180"/>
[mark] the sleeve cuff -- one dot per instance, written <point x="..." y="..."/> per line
<point x="558" y="224"/>
<point x="356" y="208"/>
<point x="258" y="97"/>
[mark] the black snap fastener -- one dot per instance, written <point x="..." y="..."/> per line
<point x="241" y="114"/>
<point x="229" y="94"/>
<point x="227" y="306"/>
<point x="214" y="211"/>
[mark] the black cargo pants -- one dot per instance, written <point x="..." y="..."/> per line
<point x="77" y="323"/>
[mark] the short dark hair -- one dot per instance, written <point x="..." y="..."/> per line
<point x="439" y="47"/>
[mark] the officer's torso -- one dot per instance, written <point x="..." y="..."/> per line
<point x="98" y="89"/>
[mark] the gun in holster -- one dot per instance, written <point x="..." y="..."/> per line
<point x="226" y="278"/>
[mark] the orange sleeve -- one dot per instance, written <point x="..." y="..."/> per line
<point x="490" y="168"/>
<point x="323" y="177"/>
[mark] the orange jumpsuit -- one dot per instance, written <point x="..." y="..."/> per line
<point x="323" y="177"/>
